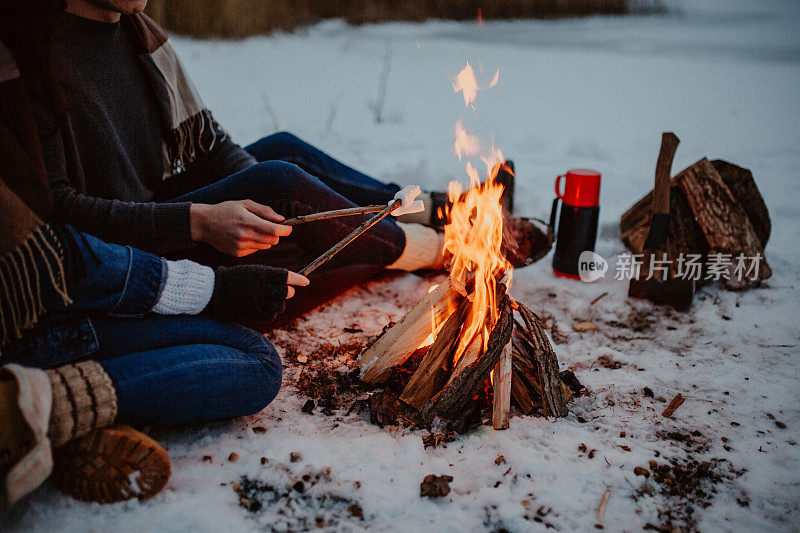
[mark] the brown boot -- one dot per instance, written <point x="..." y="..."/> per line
<point x="110" y="465"/>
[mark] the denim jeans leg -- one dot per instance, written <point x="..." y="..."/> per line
<point x="350" y="183"/>
<point x="181" y="369"/>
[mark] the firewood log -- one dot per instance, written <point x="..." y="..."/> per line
<point x="501" y="401"/>
<point x="545" y="358"/>
<point x="457" y="397"/>
<point x="435" y="367"/>
<point x="395" y="344"/>
<point x="741" y="183"/>
<point x="715" y="207"/>
<point x="722" y="219"/>
<point x="520" y="392"/>
<point x="470" y="355"/>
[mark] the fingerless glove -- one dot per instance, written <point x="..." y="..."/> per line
<point x="248" y="293"/>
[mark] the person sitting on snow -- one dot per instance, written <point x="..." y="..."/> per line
<point x="137" y="159"/>
<point x="94" y="335"/>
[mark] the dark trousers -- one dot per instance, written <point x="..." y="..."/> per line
<point x="295" y="178"/>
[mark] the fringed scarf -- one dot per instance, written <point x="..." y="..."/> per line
<point x="190" y="129"/>
<point x="31" y="255"/>
<point x="25" y="272"/>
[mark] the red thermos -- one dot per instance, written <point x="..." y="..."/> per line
<point x="577" y="225"/>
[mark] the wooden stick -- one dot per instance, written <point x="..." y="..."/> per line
<point x="319" y="261"/>
<point x="501" y="405"/>
<point x="325" y="215"/>
<point x="601" y="511"/>
<point x="676" y="402"/>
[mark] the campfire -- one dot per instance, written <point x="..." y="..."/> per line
<point x="468" y="340"/>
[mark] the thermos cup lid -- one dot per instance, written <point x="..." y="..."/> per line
<point x="581" y="187"/>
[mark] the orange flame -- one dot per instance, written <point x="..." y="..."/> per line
<point x="473" y="238"/>
<point x="465" y="82"/>
<point x="474" y="233"/>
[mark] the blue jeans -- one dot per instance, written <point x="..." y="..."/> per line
<point x="165" y="369"/>
<point x="295" y="178"/>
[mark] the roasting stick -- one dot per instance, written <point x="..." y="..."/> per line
<point x="350" y="238"/>
<point x="302" y="219"/>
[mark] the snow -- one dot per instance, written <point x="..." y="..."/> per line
<point x="594" y="92"/>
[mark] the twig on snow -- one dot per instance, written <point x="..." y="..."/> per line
<point x="601" y="511"/>
<point x="674" y="404"/>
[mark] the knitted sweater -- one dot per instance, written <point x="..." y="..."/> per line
<point x="136" y="132"/>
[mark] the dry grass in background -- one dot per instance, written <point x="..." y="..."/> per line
<point x="241" y="18"/>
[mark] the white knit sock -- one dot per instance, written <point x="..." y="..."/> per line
<point x="424" y="249"/>
<point x="187" y="289"/>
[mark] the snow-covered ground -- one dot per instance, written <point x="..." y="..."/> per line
<point x="594" y="92"/>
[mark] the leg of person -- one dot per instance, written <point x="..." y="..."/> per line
<point x="143" y="371"/>
<point x="173" y="370"/>
<point x="347" y="181"/>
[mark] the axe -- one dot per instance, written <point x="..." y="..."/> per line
<point x="651" y="284"/>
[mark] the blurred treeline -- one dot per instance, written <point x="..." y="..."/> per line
<point x="241" y="18"/>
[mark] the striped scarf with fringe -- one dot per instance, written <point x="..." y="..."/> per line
<point x="192" y="129"/>
<point x="33" y="266"/>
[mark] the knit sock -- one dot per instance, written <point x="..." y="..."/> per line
<point x="186" y="290"/>
<point x="424" y="249"/>
<point x="83" y="399"/>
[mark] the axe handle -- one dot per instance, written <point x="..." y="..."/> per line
<point x="669" y="144"/>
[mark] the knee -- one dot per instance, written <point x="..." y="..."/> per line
<point x="265" y="377"/>
<point x="280" y="146"/>
<point x="285" y="139"/>
<point x="286" y="180"/>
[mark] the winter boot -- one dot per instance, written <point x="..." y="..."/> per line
<point x="43" y="409"/>
<point x="110" y="465"/>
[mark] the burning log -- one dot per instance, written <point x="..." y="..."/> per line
<point x="395" y="344"/>
<point x="435" y="367"/>
<point x="524" y="364"/>
<point x="456" y="397"/>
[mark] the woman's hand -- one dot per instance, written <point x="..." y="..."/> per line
<point x="252" y="293"/>
<point x="237" y="227"/>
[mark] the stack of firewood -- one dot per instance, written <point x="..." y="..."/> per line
<point x="715" y="208"/>
<point x="516" y="362"/>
